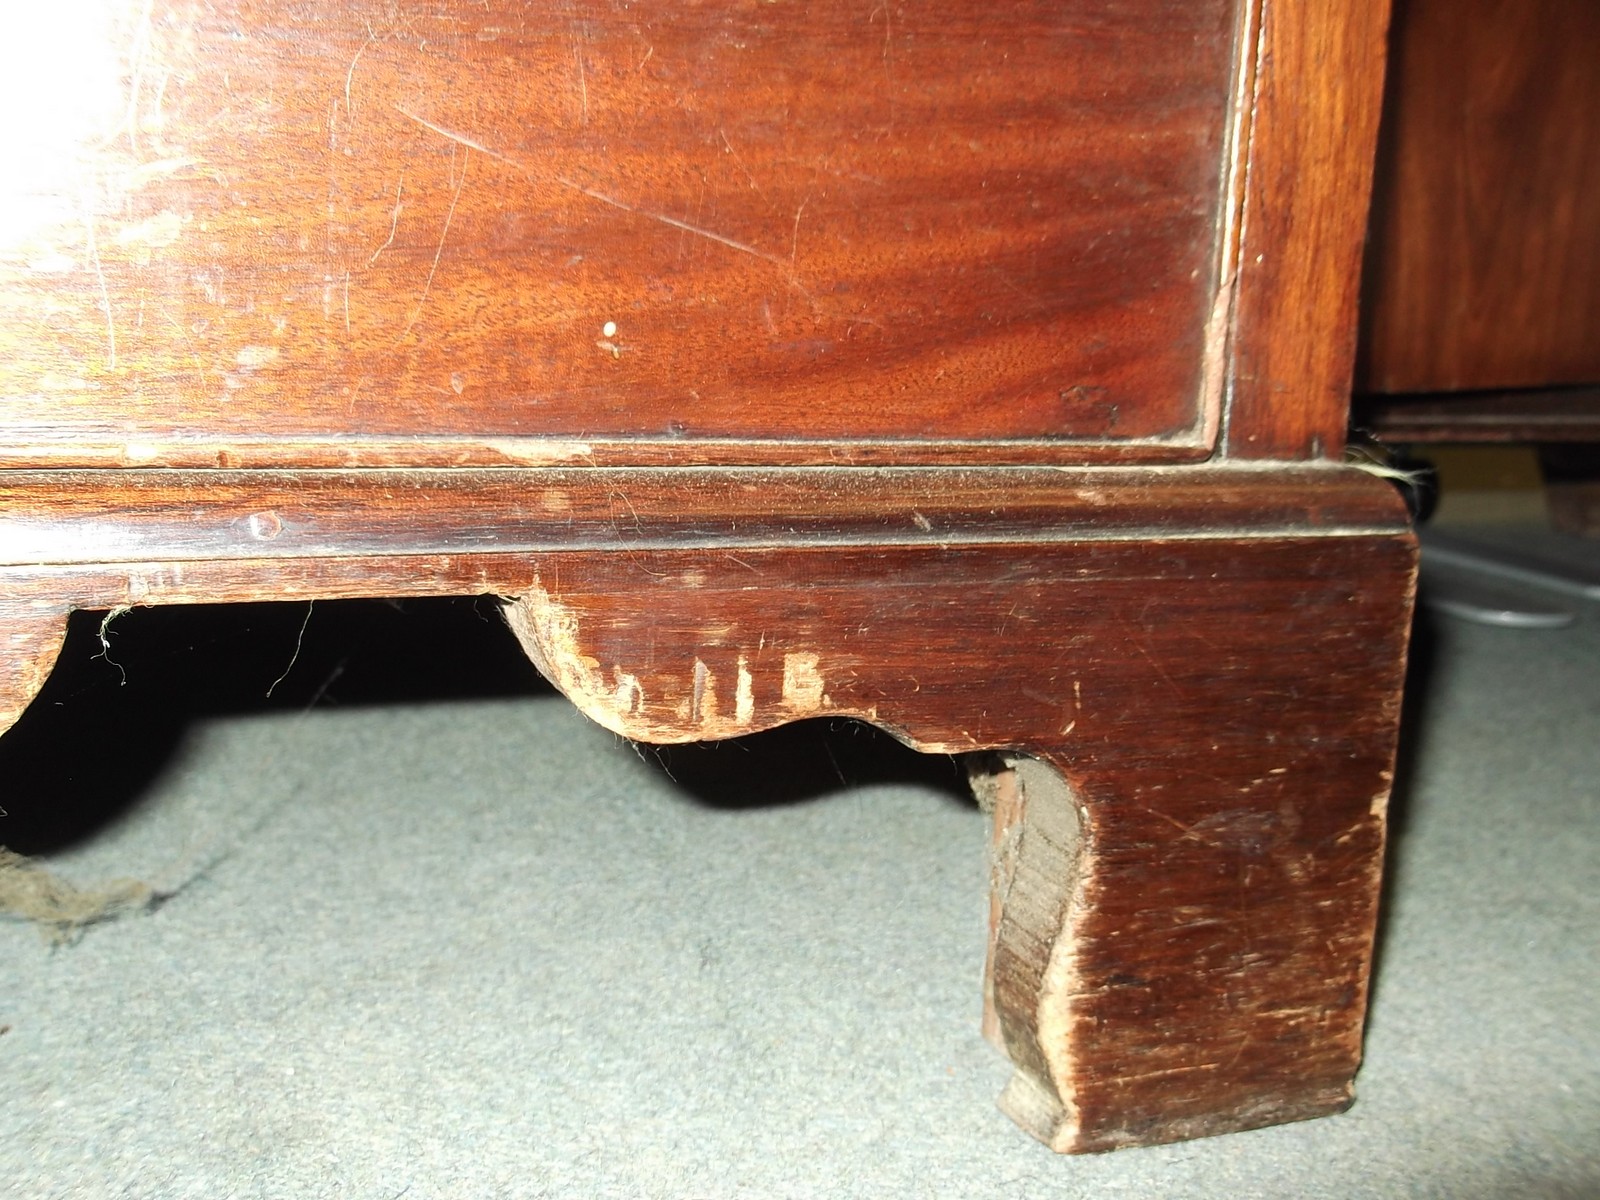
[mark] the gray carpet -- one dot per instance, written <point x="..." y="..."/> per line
<point x="462" y="943"/>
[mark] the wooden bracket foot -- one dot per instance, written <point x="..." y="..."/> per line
<point x="1193" y="677"/>
<point x="1199" y="737"/>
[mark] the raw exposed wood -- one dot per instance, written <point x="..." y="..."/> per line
<point x="1038" y="867"/>
<point x="1230" y="744"/>
<point x="1224" y="703"/>
<point x="1221" y="701"/>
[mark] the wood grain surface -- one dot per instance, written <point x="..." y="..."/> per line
<point x="1484" y="267"/>
<point x="1215" y="698"/>
<point x="1222" y="712"/>
<point x="61" y="518"/>
<point x="605" y="310"/>
<point x="31" y="633"/>
<point x="1317" y="94"/>
<point x="265" y="232"/>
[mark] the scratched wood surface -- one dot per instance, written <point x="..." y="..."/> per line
<point x="576" y="241"/>
<point x="1217" y="716"/>
<point x="1215" y="703"/>
<point x="160" y="516"/>
<point x="265" y="231"/>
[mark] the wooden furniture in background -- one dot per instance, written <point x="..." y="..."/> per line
<point x="977" y="371"/>
<point x="1481" y="316"/>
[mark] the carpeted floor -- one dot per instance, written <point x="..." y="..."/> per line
<point x="429" y="933"/>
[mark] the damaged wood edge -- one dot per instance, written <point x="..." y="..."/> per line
<point x="1039" y="865"/>
<point x="549" y="633"/>
<point x="694" y="664"/>
<point x="1039" y="870"/>
<point x="31" y="637"/>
